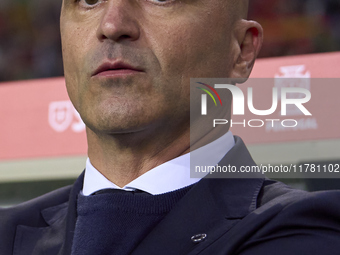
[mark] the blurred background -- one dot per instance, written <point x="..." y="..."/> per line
<point x="29" y="39"/>
<point x="30" y="49"/>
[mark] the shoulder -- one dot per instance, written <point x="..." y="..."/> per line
<point x="298" y="222"/>
<point x="37" y="213"/>
<point x="275" y="193"/>
<point x="288" y="201"/>
<point x="29" y="213"/>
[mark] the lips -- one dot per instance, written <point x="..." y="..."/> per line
<point x="116" y="69"/>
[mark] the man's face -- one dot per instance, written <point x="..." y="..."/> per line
<point x="128" y="63"/>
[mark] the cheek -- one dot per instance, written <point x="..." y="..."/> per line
<point x="73" y="47"/>
<point x="71" y="73"/>
<point x="193" y="49"/>
<point x="74" y="50"/>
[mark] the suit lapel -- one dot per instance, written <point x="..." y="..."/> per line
<point x="40" y="240"/>
<point x="56" y="237"/>
<point x="71" y="217"/>
<point x="212" y="207"/>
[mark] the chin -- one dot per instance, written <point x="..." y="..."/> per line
<point x="116" y="125"/>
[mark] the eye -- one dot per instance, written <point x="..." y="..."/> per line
<point x="89" y="3"/>
<point x="161" y="2"/>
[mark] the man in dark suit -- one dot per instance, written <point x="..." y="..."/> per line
<point x="127" y="68"/>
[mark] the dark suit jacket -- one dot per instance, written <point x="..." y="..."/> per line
<point x="239" y="216"/>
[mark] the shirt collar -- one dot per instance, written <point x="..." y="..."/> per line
<point x="170" y="176"/>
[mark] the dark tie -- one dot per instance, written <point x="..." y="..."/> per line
<point x="110" y="191"/>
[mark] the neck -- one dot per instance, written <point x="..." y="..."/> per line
<point x="122" y="158"/>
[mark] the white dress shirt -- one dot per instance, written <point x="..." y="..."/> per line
<point x="167" y="177"/>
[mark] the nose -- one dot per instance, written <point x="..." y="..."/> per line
<point x="118" y="22"/>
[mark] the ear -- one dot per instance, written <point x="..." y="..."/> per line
<point x="249" y="38"/>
